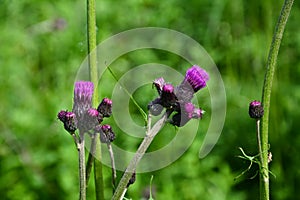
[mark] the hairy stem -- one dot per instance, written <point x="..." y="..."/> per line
<point x="82" y="180"/>
<point x="113" y="167"/>
<point x="258" y="138"/>
<point x="266" y="95"/>
<point x="150" y="134"/>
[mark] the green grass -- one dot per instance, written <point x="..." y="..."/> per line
<point x="37" y="70"/>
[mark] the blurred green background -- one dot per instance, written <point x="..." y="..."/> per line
<point x="42" y="44"/>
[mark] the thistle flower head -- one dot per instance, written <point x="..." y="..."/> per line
<point x="256" y="110"/>
<point x="196" y="77"/>
<point x="83" y="93"/>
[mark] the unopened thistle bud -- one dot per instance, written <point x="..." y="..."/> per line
<point x="168" y="98"/>
<point x="106" y="133"/>
<point x="105" y="107"/>
<point x="69" y="120"/>
<point x="256" y="110"/>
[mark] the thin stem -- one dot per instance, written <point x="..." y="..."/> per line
<point x="81" y="155"/>
<point x="266" y="96"/>
<point x="113" y="167"/>
<point x="91" y="158"/>
<point x="121" y="189"/>
<point x="92" y="40"/>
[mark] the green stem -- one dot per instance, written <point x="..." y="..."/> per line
<point x="92" y="58"/>
<point x="150" y="134"/>
<point x="266" y="95"/>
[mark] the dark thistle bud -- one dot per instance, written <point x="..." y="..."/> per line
<point x="105" y="107"/>
<point x="106" y="133"/>
<point x="70" y="123"/>
<point x="159" y="83"/>
<point x="168" y="98"/>
<point x="256" y="110"/>
<point x="62" y="115"/>
<point x="69" y="120"/>
<point x="131" y="180"/>
<point x="155" y="107"/>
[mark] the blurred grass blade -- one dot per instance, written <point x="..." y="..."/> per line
<point x="143" y="113"/>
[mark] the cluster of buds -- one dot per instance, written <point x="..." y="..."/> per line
<point x="178" y="99"/>
<point x="84" y="117"/>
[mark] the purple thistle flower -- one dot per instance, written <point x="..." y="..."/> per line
<point x="178" y="99"/>
<point x="105" y="107"/>
<point x="256" y="110"/>
<point x="196" y="77"/>
<point x="83" y="93"/>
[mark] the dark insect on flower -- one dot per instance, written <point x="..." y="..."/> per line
<point x="256" y="110"/>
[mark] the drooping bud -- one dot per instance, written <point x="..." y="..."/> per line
<point x="256" y="110"/>
<point x="105" y="107"/>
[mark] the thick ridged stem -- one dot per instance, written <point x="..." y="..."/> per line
<point x="266" y="96"/>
